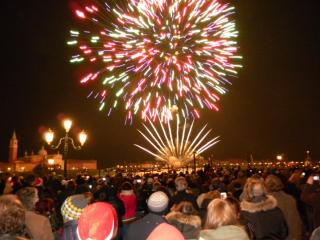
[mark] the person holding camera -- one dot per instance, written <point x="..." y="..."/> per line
<point x="311" y="196"/>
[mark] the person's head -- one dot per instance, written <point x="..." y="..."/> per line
<point x="185" y="208"/>
<point x="220" y="213"/>
<point x="29" y="197"/>
<point x="126" y="186"/>
<point x="73" y="206"/>
<point x="12" y="215"/>
<point x="212" y="194"/>
<point x="234" y="203"/>
<point x="98" y="221"/>
<point x="165" y="231"/>
<point x="254" y="190"/>
<point x="181" y="183"/>
<point x="158" y="202"/>
<point x="273" y="183"/>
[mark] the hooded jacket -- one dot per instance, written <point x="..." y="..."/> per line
<point x="264" y="219"/>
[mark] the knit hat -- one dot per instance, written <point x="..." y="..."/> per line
<point x="98" y="221"/>
<point x="158" y="202"/>
<point x="165" y="231"/>
<point x="73" y="206"/>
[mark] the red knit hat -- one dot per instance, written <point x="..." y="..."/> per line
<point x="98" y="221"/>
<point x="165" y="231"/>
<point x="37" y="182"/>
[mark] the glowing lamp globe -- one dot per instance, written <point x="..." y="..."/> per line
<point x="49" y="136"/>
<point x="67" y="123"/>
<point x="82" y="137"/>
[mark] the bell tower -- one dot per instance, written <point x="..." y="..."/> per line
<point x="13" y="149"/>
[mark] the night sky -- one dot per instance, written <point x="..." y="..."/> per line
<point x="272" y="107"/>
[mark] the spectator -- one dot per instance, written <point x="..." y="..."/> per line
<point x="186" y="219"/>
<point x="311" y="196"/>
<point x="12" y="215"/>
<point x="287" y="205"/>
<point x="165" y="231"/>
<point x="98" y="221"/>
<point x="118" y="205"/>
<point x="259" y="212"/>
<point x="141" y="229"/>
<point x="206" y="201"/>
<point x="129" y="200"/>
<point x="182" y="193"/>
<point x="235" y="205"/>
<point x="222" y="223"/>
<point x="315" y="234"/>
<point x="38" y="225"/>
<point x="71" y="210"/>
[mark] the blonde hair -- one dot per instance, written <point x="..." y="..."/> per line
<point x="254" y="187"/>
<point x="220" y="213"/>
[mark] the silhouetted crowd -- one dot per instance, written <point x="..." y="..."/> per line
<point x="216" y="203"/>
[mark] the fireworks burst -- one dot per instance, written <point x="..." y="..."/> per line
<point x="175" y="146"/>
<point x="155" y="56"/>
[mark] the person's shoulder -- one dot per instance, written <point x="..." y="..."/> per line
<point x="30" y="215"/>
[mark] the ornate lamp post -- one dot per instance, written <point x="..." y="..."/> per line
<point x="66" y="140"/>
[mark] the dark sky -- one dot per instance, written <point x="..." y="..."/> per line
<point x="272" y="107"/>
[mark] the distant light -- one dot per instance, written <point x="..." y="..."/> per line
<point x="80" y="14"/>
<point x="51" y="161"/>
<point x="279" y="157"/>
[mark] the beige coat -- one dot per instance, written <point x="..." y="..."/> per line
<point x="288" y="206"/>
<point x="39" y="226"/>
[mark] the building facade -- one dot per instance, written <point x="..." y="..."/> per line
<point x="29" y="161"/>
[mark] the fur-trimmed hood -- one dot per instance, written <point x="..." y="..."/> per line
<point x="193" y="220"/>
<point x="269" y="203"/>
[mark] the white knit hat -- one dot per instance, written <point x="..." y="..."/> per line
<point x="158" y="202"/>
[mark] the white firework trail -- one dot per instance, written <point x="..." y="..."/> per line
<point x="174" y="146"/>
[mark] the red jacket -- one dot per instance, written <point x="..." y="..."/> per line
<point x="129" y="200"/>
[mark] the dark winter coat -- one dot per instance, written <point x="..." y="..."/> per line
<point x="69" y="231"/>
<point x="141" y="229"/>
<point x="184" y="196"/>
<point x="264" y="219"/>
<point x="311" y="195"/>
<point x="188" y="225"/>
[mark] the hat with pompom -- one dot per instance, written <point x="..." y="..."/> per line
<point x="98" y="221"/>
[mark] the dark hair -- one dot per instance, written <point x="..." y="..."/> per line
<point x="12" y="215"/>
<point x="126" y="186"/>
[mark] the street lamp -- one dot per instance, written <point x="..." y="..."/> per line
<point x="67" y="124"/>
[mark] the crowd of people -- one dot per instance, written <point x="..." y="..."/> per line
<point x="218" y="203"/>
